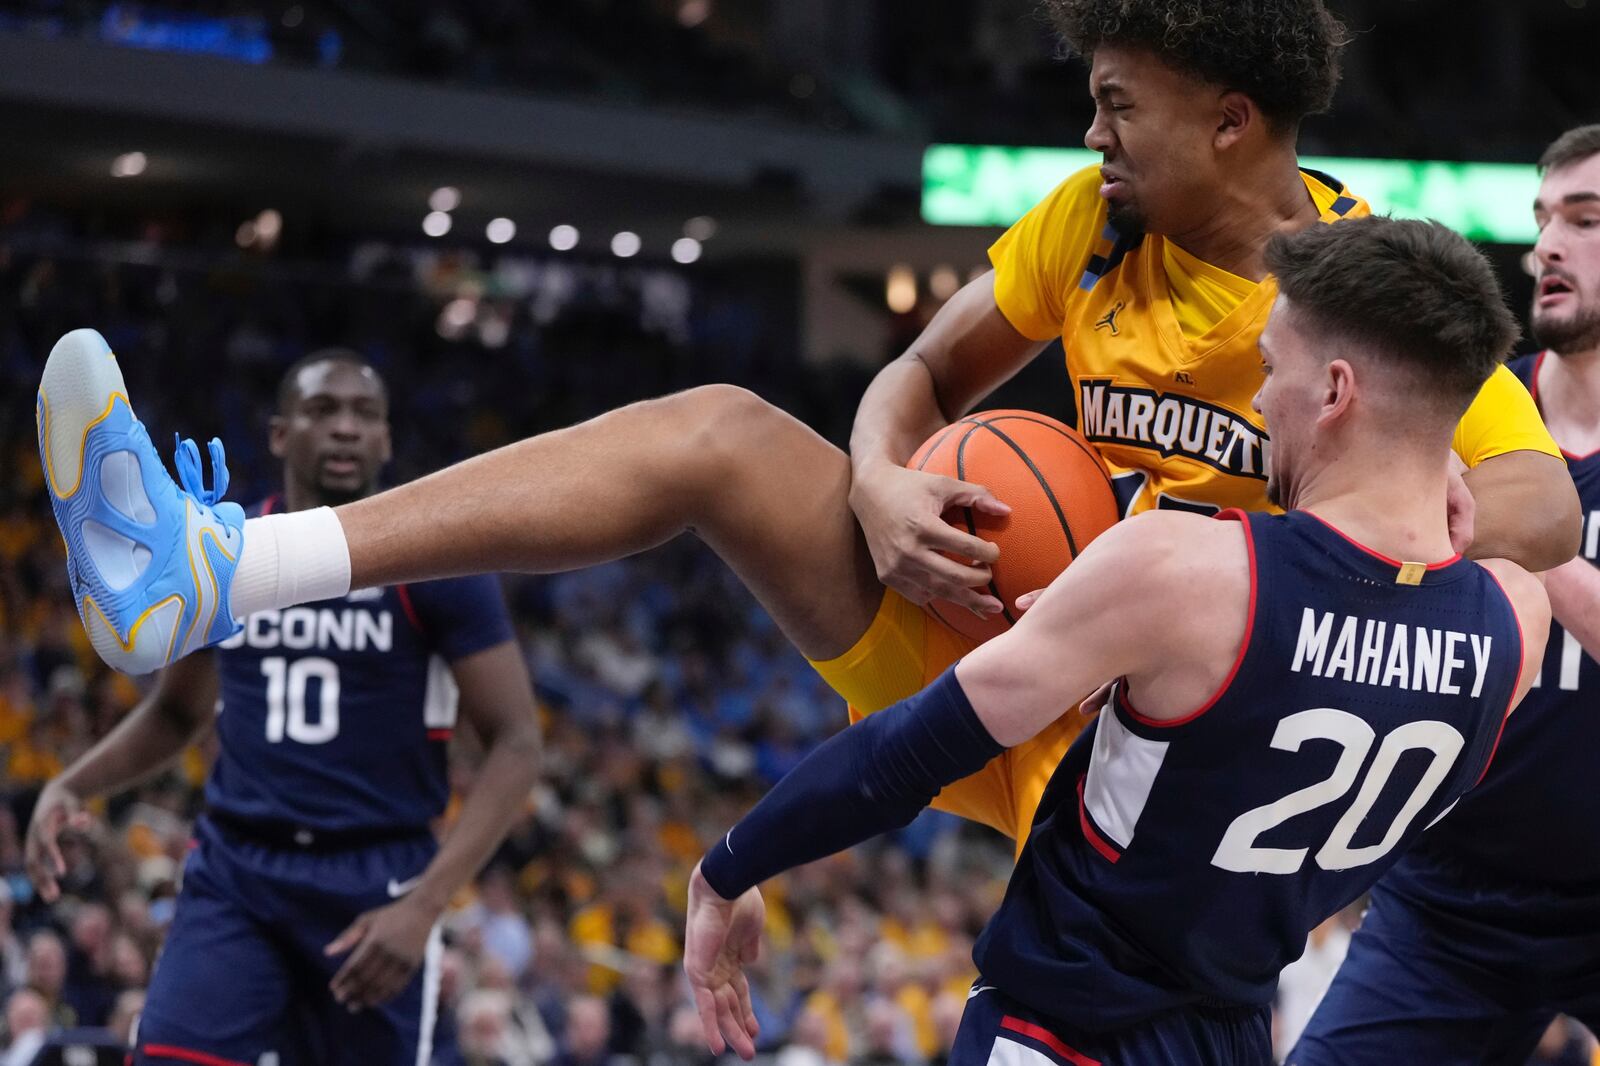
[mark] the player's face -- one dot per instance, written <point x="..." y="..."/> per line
<point x="1566" y="294"/>
<point x="1292" y="387"/>
<point x="1154" y="128"/>
<point x="334" y="438"/>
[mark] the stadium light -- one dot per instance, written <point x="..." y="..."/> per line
<point x="445" y="198"/>
<point x="991" y="185"/>
<point x="685" y="250"/>
<point x="436" y="224"/>
<point x="900" y="291"/>
<point x="625" y="245"/>
<point x="564" y="238"/>
<point x="701" y="227"/>
<point x="500" y="231"/>
<point x="129" y="165"/>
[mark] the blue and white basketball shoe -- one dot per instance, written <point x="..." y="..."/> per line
<point x="150" y="563"/>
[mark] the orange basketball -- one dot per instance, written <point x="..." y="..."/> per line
<point x="1058" y="489"/>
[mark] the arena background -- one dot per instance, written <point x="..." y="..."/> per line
<point x="525" y="214"/>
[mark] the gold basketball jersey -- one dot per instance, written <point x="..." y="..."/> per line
<point x="1169" y="408"/>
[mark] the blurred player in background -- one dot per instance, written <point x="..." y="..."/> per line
<point x="1150" y="269"/>
<point x="311" y="897"/>
<point x="1224" y="802"/>
<point x="1491" y="926"/>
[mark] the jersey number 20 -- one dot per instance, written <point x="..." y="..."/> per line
<point x="286" y="699"/>
<point x="1238" y="851"/>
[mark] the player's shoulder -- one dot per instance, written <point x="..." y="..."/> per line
<point x="1077" y="196"/>
<point x="1178" y="552"/>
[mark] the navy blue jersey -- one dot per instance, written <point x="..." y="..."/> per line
<point x="1535" y="817"/>
<point x="336" y="715"/>
<point x="1182" y="863"/>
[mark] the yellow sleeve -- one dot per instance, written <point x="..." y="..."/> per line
<point x="1503" y="418"/>
<point x="1040" y="258"/>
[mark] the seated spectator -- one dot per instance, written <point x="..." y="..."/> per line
<point x="587" y="1039"/>
<point x="483" y="1024"/>
<point x="90" y="988"/>
<point x="503" y="928"/>
<point x="47" y="976"/>
<point x="28" y="1023"/>
<point x="808" y="1042"/>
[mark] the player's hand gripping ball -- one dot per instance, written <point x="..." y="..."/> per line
<point x="1058" y="489"/>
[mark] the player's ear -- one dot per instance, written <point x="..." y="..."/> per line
<point x="1339" y="393"/>
<point x="1237" y="114"/>
<point x="277" y="436"/>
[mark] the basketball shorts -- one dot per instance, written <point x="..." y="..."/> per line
<point x="996" y="1030"/>
<point x="1425" y="981"/>
<point x="243" y="971"/>
<point x="901" y="652"/>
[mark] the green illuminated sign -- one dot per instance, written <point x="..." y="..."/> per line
<point x="985" y="185"/>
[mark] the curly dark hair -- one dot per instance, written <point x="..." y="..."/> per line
<point x="1283" y="54"/>
<point x="1413" y="293"/>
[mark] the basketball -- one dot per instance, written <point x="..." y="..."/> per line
<point x="1058" y="490"/>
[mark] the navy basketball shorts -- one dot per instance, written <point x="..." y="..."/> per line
<point x="996" y="1030"/>
<point x="243" y="973"/>
<point x="1425" y="983"/>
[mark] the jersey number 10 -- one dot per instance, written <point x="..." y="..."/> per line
<point x="1238" y="850"/>
<point x="286" y="699"/>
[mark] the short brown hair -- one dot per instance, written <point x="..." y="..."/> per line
<point x="1573" y="146"/>
<point x="1413" y="293"/>
<point x="1283" y="54"/>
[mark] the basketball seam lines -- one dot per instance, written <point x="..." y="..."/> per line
<point x="1076" y="443"/>
<point x="1055" y="505"/>
<point x="972" y="526"/>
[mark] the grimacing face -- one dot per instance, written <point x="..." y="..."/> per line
<point x="1566" y="297"/>
<point x="334" y="435"/>
<point x="1154" y="128"/>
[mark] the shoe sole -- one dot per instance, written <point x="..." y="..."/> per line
<point x="79" y="387"/>
<point x="81" y="379"/>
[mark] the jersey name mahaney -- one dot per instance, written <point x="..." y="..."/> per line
<point x="1369" y="651"/>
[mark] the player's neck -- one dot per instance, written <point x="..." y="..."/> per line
<point x="1400" y="513"/>
<point x="1569" y="399"/>
<point x="1268" y="196"/>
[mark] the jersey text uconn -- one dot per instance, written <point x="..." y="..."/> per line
<point x="322" y="628"/>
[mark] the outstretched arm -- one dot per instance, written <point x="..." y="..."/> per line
<point x="1101" y="619"/>
<point x="176" y="712"/>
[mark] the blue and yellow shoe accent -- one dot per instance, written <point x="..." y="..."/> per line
<point x="150" y="562"/>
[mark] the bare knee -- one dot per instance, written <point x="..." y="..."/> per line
<point x="724" y="434"/>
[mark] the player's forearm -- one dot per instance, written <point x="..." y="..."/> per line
<point x="497" y="800"/>
<point x="1574" y="589"/>
<point x="140" y="747"/>
<point x="875" y="776"/>
<point x="899" y="410"/>
<point x="1526" y="510"/>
